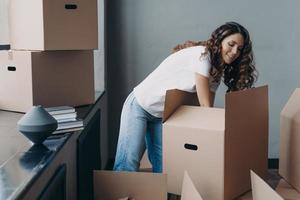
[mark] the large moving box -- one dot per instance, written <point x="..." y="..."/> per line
<point x="262" y="191"/>
<point x="53" y="24"/>
<point x="217" y="147"/>
<point x="47" y="78"/>
<point x="289" y="154"/>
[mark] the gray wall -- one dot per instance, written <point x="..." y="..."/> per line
<point x="141" y="33"/>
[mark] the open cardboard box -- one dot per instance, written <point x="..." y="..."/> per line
<point x="111" y="185"/>
<point x="217" y="147"/>
<point x="47" y="78"/>
<point x="53" y="24"/>
<point x="262" y="191"/>
<point x="289" y="155"/>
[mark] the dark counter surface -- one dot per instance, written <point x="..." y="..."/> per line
<point x="21" y="162"/>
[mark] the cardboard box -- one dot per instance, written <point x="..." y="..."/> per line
<point x="217" y="147"/>
<point x="289" y="153"/>
<point x="53" y="24"/>
<point x="110" y="185"/>
<point x="50" y="78"/>
<point x="262" y="191"/>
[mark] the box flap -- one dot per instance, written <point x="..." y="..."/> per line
<point x="111" y="185"/>
<point x="289" y="151"/>
<point x="287" y="191"/>
<point x="175" y="98"/>
<point x="291" y="109"/>
<point x="246" y="128"/>
<point x="189" y="191"/>
<point x="261" y="190"/>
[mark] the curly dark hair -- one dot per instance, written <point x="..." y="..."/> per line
<point x="240" y="74"/>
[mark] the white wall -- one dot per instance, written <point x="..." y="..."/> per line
<point x="4" y="38"/>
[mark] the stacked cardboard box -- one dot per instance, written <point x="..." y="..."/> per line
<point x="51" y="58"/>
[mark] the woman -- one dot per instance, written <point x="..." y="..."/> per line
<point x="193" y="67"/>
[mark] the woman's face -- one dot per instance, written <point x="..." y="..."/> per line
<point x="232" y="46"/>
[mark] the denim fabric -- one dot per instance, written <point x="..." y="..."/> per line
<point x="138" y="130"/>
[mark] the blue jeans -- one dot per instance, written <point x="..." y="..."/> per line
<point x="138" y="130"/>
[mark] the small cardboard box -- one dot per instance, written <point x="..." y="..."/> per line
<point x="53" y="24"/>
<point x="262" y="191"/>
<point x="47" y="78"/>
<point x="111" y="185"/>
<point x="289" y="153"/>
<point x="217" y="147"/>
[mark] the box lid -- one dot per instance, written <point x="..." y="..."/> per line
<point x="192" y="116"/>
<point x="292" y="107"/>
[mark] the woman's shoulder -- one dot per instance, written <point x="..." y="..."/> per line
<point x="198" y="48"/>
<point x="193" y="52"/>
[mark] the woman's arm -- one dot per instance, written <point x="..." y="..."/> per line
<point x="205" y="96"/>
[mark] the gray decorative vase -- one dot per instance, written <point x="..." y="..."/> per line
<point x="37" y="124"/>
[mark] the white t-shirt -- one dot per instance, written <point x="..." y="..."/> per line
<point x="177" y="71"/>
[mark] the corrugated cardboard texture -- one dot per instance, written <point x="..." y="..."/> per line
<point x="48" y="25"/>
<point x="15" y="86"/>
<point x="191" y="116"/>
<point x="110" y="185"/>
<point x="48" y="78"/>
<point x="175" y="98"/>
<point x="220" y="169"/>
<point x="63" y="78"/>
<point x="205" y="164"/>
<point x="287" y="191"/>
<point x="189" y="191"/>
<point x="261" y="190"/>
<point x="246" y="138"/>
<point x="289" y="155"/>
<point x="26" y="24"/>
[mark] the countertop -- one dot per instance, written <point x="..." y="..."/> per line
<point x="21" y="162"/>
